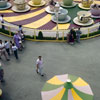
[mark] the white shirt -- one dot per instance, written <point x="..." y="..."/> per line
<point x="2" y="47"/>
<point x="1" y="19"/>
<point x="7" y="46"/>
<point x="39" y="62"/>
<point x="14" y="48"/>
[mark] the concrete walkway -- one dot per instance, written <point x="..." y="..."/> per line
<point x="23" y="83"/>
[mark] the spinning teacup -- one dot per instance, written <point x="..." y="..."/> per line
<point x="62" y="14"/>
<point x="36" y="2"/>
<point x="20" y="5"/>
<point x="95" y="10"/>
<point x="3" y="3"/>
<point x="87" y="3"/>
<point x="83" y="16"/>
<point x="67" y="2"/>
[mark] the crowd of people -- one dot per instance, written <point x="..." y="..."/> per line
<point x="74" y="35"/>
<point x="8" y="48"/>
<point x="11" y="47"/>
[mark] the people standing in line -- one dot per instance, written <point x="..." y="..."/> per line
<point x="3" y="51"/>
<point x="2" y="21"/>
<point x="7" y="47"/>
<point x="39" y="65"/>
<point x="78" y="33"/>
<point x="1" y="73"/>
<point x="14" y="48"/>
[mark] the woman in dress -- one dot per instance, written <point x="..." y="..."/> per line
<point x="17" y="38"/>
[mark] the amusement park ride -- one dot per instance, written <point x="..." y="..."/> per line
<point x="58" y="9"/>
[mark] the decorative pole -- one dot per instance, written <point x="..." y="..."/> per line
<point x="57" y="6"/>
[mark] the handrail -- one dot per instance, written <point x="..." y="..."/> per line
<point x="62" y="33"/>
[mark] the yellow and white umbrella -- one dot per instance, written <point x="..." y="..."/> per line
<point x="66" y="87"/>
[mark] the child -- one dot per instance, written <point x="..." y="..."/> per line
<point x="14" y="48"/>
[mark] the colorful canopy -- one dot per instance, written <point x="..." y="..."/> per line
<point x="66" y="87"/>
<point x="0" y="92"/>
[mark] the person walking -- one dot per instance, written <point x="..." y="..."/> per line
<point x="2" y="21"/>
<point x="7" y="47"/>
<point x="17" y="38"/>
<point x="39" y="65"/>
<point x="3" y="51"/>
<point x="1" y="73"/>
<point x="14" y="48"/>
<point x="11" y="47"/>
<point x="78" y="33"/>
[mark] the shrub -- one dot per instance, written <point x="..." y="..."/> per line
<point x="29" y="37"/>
<point x="40" y="35"/>
<point x="6" y="32"/>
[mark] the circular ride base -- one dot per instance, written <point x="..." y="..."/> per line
<point x="40" y="19"/>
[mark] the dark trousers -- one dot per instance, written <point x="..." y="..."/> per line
<point x="8" y="51"/>
<point x="16" y="54"/>
<point x="3" y="27"/>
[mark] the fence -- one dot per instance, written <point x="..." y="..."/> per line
<point x="49" y="33"/>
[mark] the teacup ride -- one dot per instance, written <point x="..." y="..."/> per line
<point x="83" y="18"/>
<point x="95" y="11"/>
<point x="0" y="92"/>
<point x="4" y="4"/>
<point x="37" y="3"/>
<point x="61" y="17"/>
<point x="51" y="7"/>
<point x="20" y="6"/>
<point x="68" y="3"/>
<point x="85" y="4"/>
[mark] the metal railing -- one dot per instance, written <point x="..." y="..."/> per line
<point x="49" y="33"/>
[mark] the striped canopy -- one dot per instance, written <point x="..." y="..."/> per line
<point x="0" y="92"/>
<point x="58" y="88"/>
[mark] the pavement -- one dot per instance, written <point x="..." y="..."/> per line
<point x="23" y="83"/>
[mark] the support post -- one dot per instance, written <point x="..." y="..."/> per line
<point x="9" y="31"/>
<point x="34" y="34"/>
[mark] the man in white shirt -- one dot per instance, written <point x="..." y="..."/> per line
<point x="3" y="51"/>
<point x="39" y="65"/>
<point x="7" y="47"/>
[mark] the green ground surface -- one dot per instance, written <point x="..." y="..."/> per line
<point x="23" y="83"/>
<point x="73" y="12"/>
